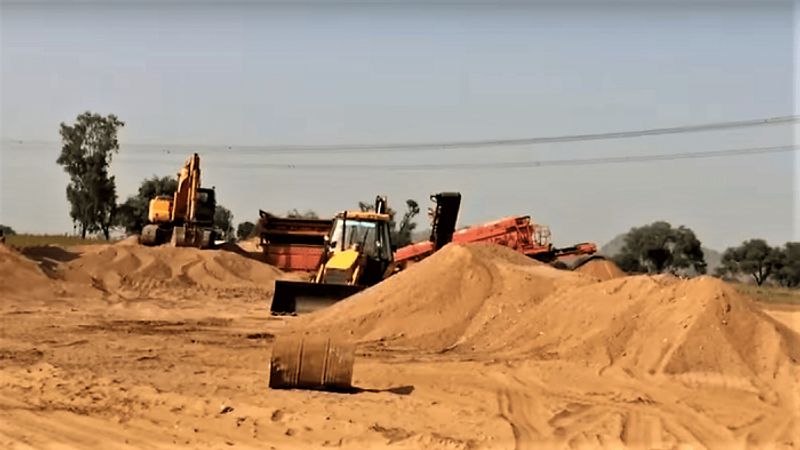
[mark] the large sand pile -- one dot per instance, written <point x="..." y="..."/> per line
<point x="490" y="301"/>
<point x="19" y="275"/>
<point x="438" y="301"/>
<point x="128" y="265"/>
<point x="475" y="347"/>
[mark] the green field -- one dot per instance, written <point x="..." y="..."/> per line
<point x="770" y="294"/>
<point x="37" y="240"/>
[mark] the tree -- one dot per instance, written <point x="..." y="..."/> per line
<point x="754" y="257"/>
<point x="88" y="146"/>
<point x="400" y="236"/>
<point x="308" y="214"/>
<point x="132" y="215"/>
<point x="787" y="270"/>
<point x="6" y="230"/>
<point x="658" y="247"/>
<point x="223" y="219"/>
<point x="245" y="230"/>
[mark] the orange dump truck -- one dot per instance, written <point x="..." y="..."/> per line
<point x="293" y="244"/>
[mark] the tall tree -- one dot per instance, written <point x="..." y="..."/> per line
<point x="407" y="225"/>
<point x="658" y="247"/>
<point x="787" y="270"/>
<point x="6" y="230"/>
<point x="245" y="230"/>
<point x="754" y="257"/>
<point x="132" y="215"/>
<point x="87" y="149"/>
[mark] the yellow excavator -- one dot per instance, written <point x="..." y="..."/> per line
<point x="358" y="254"/>
<point x="185" y="219"/>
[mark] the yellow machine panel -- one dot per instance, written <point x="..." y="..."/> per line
<point x="343" y="260"/>
<point x="365" y="215"/>
<point x="160" y="210"/>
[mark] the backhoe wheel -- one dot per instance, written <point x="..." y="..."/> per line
<point x="178" y="237"/>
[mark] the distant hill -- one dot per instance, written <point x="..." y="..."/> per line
<point x="614" y="246"/>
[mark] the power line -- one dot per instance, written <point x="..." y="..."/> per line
<point x="531" y="164"/>
<point x="343" y="148"/>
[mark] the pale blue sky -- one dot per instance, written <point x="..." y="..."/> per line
<point x="257" y="74"/>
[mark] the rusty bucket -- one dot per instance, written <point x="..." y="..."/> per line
<point x="308" y="362"/>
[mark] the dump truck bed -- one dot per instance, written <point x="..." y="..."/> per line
<point x="293" y="244"/>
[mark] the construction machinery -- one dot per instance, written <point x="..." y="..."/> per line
<point x="358" y="254"/>
<point x="518" y="233"/>
<point x="443" y="217"/>
<point x="185" y="219"/>
<point x="293" y="244"/>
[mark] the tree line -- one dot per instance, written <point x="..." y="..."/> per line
<point x="660" y="248"/>
<point x="757" y="259"/>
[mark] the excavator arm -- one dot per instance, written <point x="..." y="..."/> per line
<point x="187" y="218"/>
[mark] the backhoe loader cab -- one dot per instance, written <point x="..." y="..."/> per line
<point x="358" y="254"/>
<point x="359" y="249"/>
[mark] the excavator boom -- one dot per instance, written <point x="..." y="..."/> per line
<point x="185" y="219"/>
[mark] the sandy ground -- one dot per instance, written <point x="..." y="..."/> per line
<point x="128" y="347"/>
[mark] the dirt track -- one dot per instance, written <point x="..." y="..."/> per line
<point x="473" y="348"/>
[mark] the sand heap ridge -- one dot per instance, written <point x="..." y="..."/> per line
<point x="19" y="275"/>
<point x="492" y="302"/>
<point x="134" y="265"/>
<point x="604" y="269"/>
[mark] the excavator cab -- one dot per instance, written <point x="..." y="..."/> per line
<point x="206" y="204"/>
<point x="358" y="254"/>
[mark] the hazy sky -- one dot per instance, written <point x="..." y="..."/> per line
<point x="255" y="75"/>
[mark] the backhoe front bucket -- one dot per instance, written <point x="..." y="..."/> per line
<point x="298" y="297"/>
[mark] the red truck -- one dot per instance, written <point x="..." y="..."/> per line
<point x="293" y="244"/>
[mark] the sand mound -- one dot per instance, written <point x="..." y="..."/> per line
<point x="492" y="302"/>
<point x="128" y="241"/>
<point x="651" y="325"/>
<point x="601" y="268"/>
<point x="450" y="295"/>
<point x="251" y="245"/>
<point x="136" y="266"/>
<point x="20" y="275"/>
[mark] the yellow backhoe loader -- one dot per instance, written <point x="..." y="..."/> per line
<point x="358" y="254"/>
<point x="187" y="218"/>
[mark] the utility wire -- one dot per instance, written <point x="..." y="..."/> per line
<point x="528" y="164"/>
<point x="343" y="148"/>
